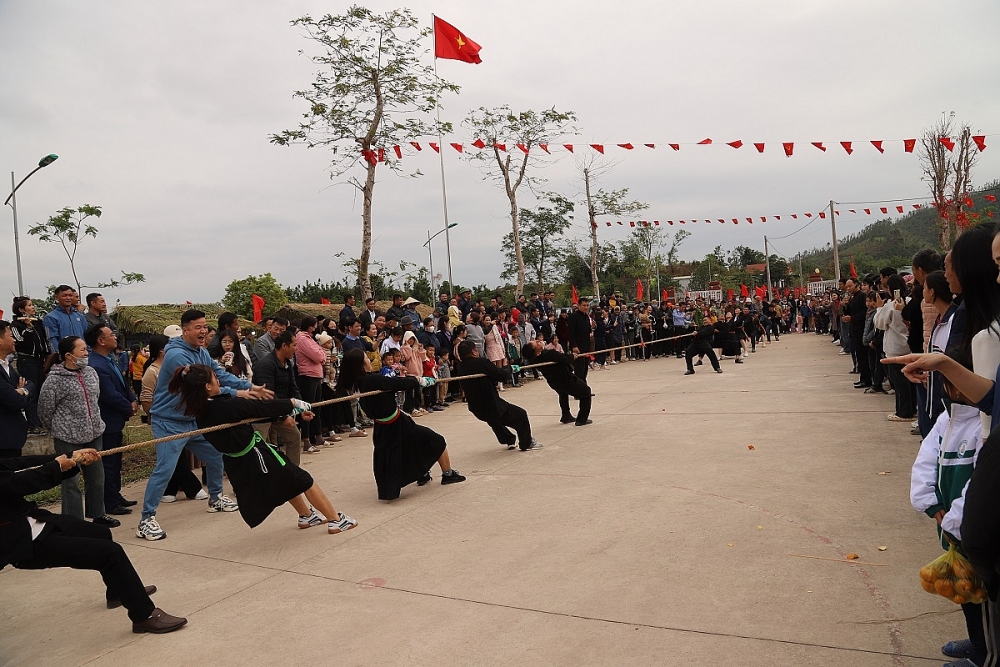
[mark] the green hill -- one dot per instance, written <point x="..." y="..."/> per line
<point x="890" y="242"/>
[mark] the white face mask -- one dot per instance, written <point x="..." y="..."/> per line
<point x="81" y="362"/>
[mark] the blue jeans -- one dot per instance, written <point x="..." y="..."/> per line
<point x="167" y="454"/>
<point x="845" y="336"/>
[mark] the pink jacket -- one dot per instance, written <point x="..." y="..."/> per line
<point x="309" y="356"/>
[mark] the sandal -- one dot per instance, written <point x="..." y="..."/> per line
<point x="311" y="449"/>
<point x="332" y="439"/>
<point x="358" y="434"/>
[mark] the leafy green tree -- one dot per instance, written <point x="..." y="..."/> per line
<point x="372" y="92"/>
<point x="239" y="293"/>
<point x="69" y="227"/>
<point x="509" y="138"/>
<point x="675" y="242"/>
<point x="741" y="256"/>
<point x="541" y="238"/>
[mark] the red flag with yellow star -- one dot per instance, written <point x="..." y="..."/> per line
<point x="450" y="43"/>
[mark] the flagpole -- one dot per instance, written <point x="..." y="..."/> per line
<point x="444" y="191"/>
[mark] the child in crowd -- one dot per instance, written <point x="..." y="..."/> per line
<point x="938" y="482"/>
<point x="389" y="364"/>
<point x="514" y="354"/>
<point x="430" y="370"/>
<point x="444" y="372"/>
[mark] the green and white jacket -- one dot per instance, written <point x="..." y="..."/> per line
<point x="940" y="475"/>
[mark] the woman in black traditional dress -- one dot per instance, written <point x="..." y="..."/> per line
<point x="262" y="477"/>
<point x="404" y="451"/>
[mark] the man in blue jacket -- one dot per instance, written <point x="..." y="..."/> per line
<point x="167" y="418"/>
<point x="117" y="404"/>
<point x="64" y="320"/>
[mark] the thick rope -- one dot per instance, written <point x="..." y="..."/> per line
<point x="342" y="399"/>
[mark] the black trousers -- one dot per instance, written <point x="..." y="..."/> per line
<point x="112" y="471"/>
<point x="582" y="394"/>
<point x="864" y="368"/>
<point x="581" y="365"/>
<point x="512" y="417"/>
<point x="312" y="392"/>
<point x="183" y="478"/>
<point x="30" y="368"/>
<point x="701" y="348"/>
<point x="85" y="546"/>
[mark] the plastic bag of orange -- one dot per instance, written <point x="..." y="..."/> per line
<point x="951" y="576"/>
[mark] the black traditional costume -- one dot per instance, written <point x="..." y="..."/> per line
<point x="262" y="477"/>
<point x="404" y="450"/>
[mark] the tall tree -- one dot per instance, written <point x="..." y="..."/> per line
<point x="371" y="93"/>
<point x="69" y="227"/>
<point x="947" y="165"/>
<point x="541" y="235"/>
<point x="673" y="253"/>
<point x="511" y="149"/>
<point x="239" y="294"/>
<point x="646" y="240"/>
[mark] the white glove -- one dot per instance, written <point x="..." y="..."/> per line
<point x="426" y="382"/>
<point x="298" y="407"/>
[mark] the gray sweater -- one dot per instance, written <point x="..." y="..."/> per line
<point x="67" y="404"/>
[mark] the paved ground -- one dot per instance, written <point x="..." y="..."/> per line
<point x="653" y="537"/>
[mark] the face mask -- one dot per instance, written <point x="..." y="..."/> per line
<point x="430" y="329"/>
<point x="81" y="362"/>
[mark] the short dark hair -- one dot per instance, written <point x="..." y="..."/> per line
<point x="396" y="331"/>
<point x="281" y="321"/>
<point x="527" y="351"/>
<point x="190" y="315"/>
<point x="348" y="296"/>
<point x="283" y="339"/>
<point x="20" y="303"/>
<point x="4" y="325"/>
<point x="887" y="271"/>
<point x="93" y="334"/>
<point x="397" y="296"/>
<point x="64" y="288"/>
<point x="465" y="347"/>
<point x="226" y="319"/>
<point x="928" y="260"/>
<point x="369" y="300"/>
<point x="307" y="321"/>
<point x="92" y="297"/>
<point x="348" y="322"/>
<point x="428" y="320"/>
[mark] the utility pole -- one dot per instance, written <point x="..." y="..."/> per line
<point x="836" y="253"/>
<point x="767" y="264"/>
<point x="800" y="271"/>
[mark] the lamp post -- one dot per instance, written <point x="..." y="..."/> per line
<point x="430" y="257"/>
<point x="12" y="200"/>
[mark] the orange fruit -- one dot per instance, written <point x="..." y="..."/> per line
<point x="927" y="586"/>
<point x="963" y="586"/>
<point x="944" y="587"/>
<point x="926" y="573"/>
<point x="958" y="599"/>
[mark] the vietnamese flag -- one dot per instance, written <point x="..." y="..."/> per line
<point x="451" y="44"/>
<point x="638" y="290"/>
<point x="323" y="300"/>
<point x="744" y="292"/>
<point x="258" y="307"/>
<point x="854" y="271"/>
<point x="573" y="295"/>
<point x="664" y="294"/>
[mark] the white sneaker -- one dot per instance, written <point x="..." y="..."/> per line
<point x="150" y="530"/>
<point x="201" y="495"/>
<point x="223" y="504"/>
<point x="168" y="499"/>
<point x="314" y="519"/>
<point x="342" y="523"/>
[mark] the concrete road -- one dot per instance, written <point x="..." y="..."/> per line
<point x="655" y="536"/>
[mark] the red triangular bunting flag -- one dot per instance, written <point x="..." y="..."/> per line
<point x="457" y="147"/>
<point x="324" y="301"/>
<point x="627" y="147"/>
<point x="399" y="151"/>
<point x="899" y="209"/>
<point x="544" y="147"/>
<point x="838" y="212"/>
<point x="705" y="142"/>
<point x="809" y="215"/>
<point x="479" y="143"/>
<point x="763" y="218"/>
<point x="502" y="147"/>
<point x="735" y="144"/>
<point x="676" y="147"/>
<point x="750" y="220"/>
<point x="908" y="145"/>
<point x="656" y="223"/>
<point x="435" y="147"/>
<point x="991" y="197"/>
<point x="878" y="146"/>
<point x="759" y="147"/>
<point x="867" y="211"/>
<point x="947" y="143"/>
<point x="369" y="156"/>
<point x="598" y="147"/>
<point x="883" y="209"/>
<point x="568" y="147"/>
<point x="822" y="215"/>
<point x="916" y="206"/>
<point x="980" y="140"/>
<point x="735" y="221"/>
<point x="381" y="155"/>
<point x="631" y="223"/>
<point x="645" y="223"/>
<point x="847" y="146"/>
<point x="722" y="221"/>
<point x="416" y="145"/>
<point x="777" y="217"/>
<point x="682" y="222"/>
<point x="524" y="149"/>
<point x="670" y="222"/>
<point x="852" y="210"/>
<point x="609" y="224"/>
<point x="709" y="221"/>
<point x="819" y="145"/>
<point x="795" y="216"/>
<point x="650" y="145"/>
<point x="594" y="225"/>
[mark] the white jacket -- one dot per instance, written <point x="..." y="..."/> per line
<point x="890" y="320"/>
<point x="940" y="474"/>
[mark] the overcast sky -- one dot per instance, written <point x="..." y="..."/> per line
<point x="160" y="113"/>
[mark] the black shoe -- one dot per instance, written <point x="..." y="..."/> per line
<point x="718" y="370"/>
<point x="511" y="445"/>
<point x="688" y="372"/>
<point x="114" y="603"/>
<point x="698" y="363"/>
<point x="108" y="521"/>
<point x="129" y="503"/>
<point x="739" y="361"/>
<point x="567" y="420"/>
<point x="534" y="444"/>
<point x="119" y="511"/>
<point x="159" y="623"/>
<point x="861" y="385"/>
<point x="426" y="478"/>
<point x="454" y="477"/>
<point x="584" y="423"/>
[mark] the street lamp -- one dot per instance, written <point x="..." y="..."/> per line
<point x="12" y="200"/>
<point x="430" y="256"/>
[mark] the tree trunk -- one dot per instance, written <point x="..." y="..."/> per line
<point x="512" y="195"/>
<point x="944" y="234"/>
<point x="364" y="280"/>
<point x="593" y="237"/>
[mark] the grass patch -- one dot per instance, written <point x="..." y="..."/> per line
<point x="136" y="465"/>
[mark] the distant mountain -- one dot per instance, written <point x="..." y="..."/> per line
<point x="889" y="242"/>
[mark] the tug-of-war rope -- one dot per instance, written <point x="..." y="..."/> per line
<point x="339" y="399"/>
